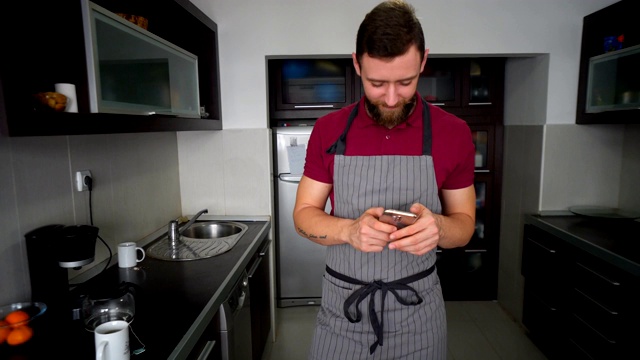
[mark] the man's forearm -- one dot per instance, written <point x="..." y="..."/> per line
<point x="320" y="227"/>
<point x="455" y="230"/>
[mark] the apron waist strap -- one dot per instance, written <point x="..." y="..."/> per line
<point x="370" y="289"/>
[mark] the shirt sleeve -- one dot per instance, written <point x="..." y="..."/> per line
<point x="453" y="153"/>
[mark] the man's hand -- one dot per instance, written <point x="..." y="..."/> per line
<point x="420" y="237"/>
<point x="367" y="234"/>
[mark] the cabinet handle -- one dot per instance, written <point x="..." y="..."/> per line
<point x="437" y="104"/>
<point x="254" y="267"/>
<point x="475" y="250"/>
<point x="481" y="171"/>
<point x="261" y="253"/>
<point x="595" y="302"/>
<point x="542" y="246"/>
<point x="313" y="106"/>
<point x="479" y="103"/>
<point x="614" y="283"/>
<point x="206" y="350"/>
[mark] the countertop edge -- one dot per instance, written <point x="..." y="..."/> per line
<point x="604" y="254"/>
<point x="99" y="267"/>
<point x="190" y="338"/>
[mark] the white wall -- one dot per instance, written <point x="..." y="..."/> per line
<point x="251" y="30"/>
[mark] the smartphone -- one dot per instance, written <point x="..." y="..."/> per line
<point x="398" y="218"/>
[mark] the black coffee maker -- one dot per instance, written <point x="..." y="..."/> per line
<point x="52" y="250"/>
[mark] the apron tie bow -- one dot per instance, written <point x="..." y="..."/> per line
<point x="370" y="289"/>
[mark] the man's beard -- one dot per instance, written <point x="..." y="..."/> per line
<point x="393" y="117"/>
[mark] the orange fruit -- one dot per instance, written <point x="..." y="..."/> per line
<point x="16" y="317"/>
<point x="4" y="331"/>
<point x="19" y="335"/>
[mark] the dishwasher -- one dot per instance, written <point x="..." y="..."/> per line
<point x="235" y="322"/>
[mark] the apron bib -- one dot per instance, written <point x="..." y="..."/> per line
<point x="413" y="322"/>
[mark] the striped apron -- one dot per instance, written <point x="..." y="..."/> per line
<point x="410" y="323"/>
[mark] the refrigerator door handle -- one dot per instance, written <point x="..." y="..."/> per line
<point x="290" y="178"/>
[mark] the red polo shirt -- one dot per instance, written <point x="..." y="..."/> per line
<point x="452" y="145"/>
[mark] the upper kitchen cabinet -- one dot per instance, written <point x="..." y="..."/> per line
<point x="467" y="87"/>
<point x="609" y="80"/>
<point x="304" y="88"/>
<point x="137" y="66"/>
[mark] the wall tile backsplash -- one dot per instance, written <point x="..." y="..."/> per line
<point x="136" y="191"/>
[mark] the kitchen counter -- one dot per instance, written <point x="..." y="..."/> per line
<point x="175" y="301"/>
<point x="612" y="240"/>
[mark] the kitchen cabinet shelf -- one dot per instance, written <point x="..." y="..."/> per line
<point x="53" y="51"/>
<point x="609" y="77"/>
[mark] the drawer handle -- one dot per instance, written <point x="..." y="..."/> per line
<point x="595" y="302"/>
<point x="542" y="246"/>
<point x="313" y="106"/>
<point x="206" y="350"/>
<point x="264" y="249"/>
<point x="614" y="283"/>
<point x="594" y="330"/>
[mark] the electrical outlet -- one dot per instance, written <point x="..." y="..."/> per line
<point x="81" y="185"/>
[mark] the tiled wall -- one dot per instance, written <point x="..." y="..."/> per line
<point x="136" y="191"/>
<point x="229" y="172"/>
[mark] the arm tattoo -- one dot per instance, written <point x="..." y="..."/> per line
<point x="310" y="236"/>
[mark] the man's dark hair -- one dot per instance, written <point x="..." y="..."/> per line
<point x="389" y="30"/>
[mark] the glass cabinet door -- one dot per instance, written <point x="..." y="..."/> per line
<point x="439" y="83"/>
<point x="480" y="88"/>
<point x="483" y="140"/>
<point x="480" y="140"/>
<point x="614" y="81"/>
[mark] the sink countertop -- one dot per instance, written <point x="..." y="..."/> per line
<point x="175" y="300"/>
<point x="615" y="241"/>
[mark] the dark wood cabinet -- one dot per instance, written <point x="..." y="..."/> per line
<point x="472" y="89"/>
<point x="576" y="305"/>
<point x="609" y="78"/>
<point x="304" y="88"/>
<point x="52" y="50"/>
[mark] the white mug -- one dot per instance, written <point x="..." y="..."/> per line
<point x="128" y="254"/>
<point x="68" y="90"/>
<point x="112" y="340"/>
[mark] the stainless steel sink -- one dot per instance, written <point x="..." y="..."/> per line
<point x="200" y="241"/>
<point x="212" y="230"/>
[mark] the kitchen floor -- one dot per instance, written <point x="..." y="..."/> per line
<point x="478" y="330"/>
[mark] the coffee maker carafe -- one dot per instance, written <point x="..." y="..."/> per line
<point x="52" y="250"/>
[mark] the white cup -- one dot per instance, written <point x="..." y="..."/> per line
<point x="68" y="90"/>
<point x="128" y="254"/>
<point x="112" y="340"/>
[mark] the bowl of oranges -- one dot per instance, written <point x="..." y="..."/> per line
<point x="16" y="322"/>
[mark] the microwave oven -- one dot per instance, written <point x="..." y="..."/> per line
<point x="132" y="71"/>
<point x="308" y="87"/>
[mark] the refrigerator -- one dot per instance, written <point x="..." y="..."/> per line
<point x="300" y="262"/>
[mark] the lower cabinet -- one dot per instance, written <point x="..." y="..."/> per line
<point x="576" y="306"/>
<point x="260" y="302"/>
<point x="467" y="274"/>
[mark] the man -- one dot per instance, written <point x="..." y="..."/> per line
<point x="391" y="150"/>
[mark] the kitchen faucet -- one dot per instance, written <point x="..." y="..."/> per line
<point x="174" y="233"/>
